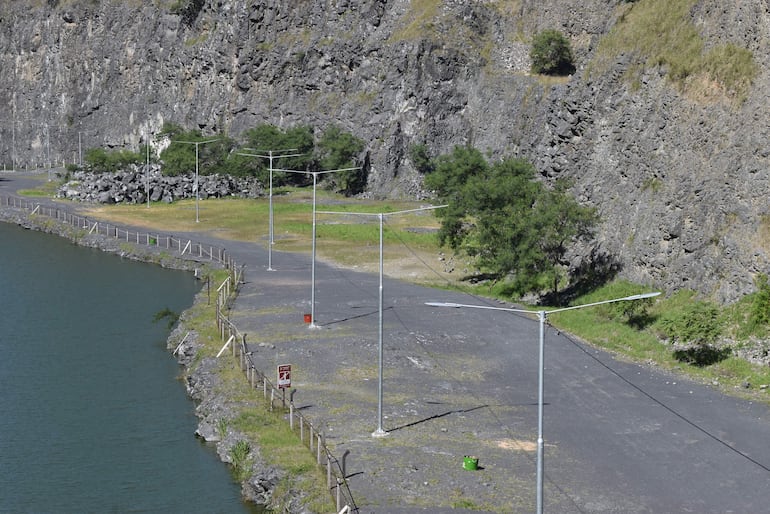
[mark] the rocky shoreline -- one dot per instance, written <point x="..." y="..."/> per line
<point x="201" y="377"/>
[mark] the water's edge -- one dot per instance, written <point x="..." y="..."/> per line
<point x="201" y="376"/>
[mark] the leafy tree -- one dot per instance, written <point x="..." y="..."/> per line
<point x="514" y="225"/>
<point x="448" y="178"/>
<point x="213" y="157"/>
<point x="339" y="150"/>
<point x="334" y="150"/>
<point x="101" y="161"/>
<point x="265" y="138"/>
<point x="551" y="53"/>
<point x="421" y="159"/>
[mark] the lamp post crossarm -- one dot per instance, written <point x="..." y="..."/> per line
<point x="486" y="307"/>
<point x="546" y="312"/>
<point x="316" y="172"/>
<point x="196" y="142"/>
<point x="374" y="214"/>
<point x="273" y="156"/>
<point x="541" y="315"/>
<point x="624" y="299"/>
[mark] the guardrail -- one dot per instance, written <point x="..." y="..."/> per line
<point x="336" y="474"/>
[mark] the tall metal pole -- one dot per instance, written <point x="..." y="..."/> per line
<point x="147" y="168"/>
<point x="380" y="432"/>
<point x="270" y="216"/>
<point x="270" y="157"/>
<point x="312" y="273"/>
<point x="197" y="196"/>
<point x="197" y="144"/>
<point x="541" y="367"/>
<point x="541" y="372"/>
<point x="13" y="136"/>
<point x="48" y="149"/>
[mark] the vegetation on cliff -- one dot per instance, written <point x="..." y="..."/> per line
<point x="662" y="33"/>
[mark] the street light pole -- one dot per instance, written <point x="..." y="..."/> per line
<point x="271" y="156"/>
<point x="380" y="432"/>
<point x="197" y="144"/>
<point x="147" y="165"/>
<point x="542" y="316"/>
<point x="312" y="268"/>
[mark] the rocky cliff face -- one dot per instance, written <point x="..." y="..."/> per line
<point x="680" y="179"/>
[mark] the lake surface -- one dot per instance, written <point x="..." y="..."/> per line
<point x="93" y="417"/>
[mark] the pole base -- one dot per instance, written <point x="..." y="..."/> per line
<point x="380" y="433"/>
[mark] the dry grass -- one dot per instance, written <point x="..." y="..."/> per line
<point x="349" y="239"/>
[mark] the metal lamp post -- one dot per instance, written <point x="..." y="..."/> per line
<point x="312" y="269"/>
<point x="380" y="432"/>
<point x="197" y="144"/>
<point x="541" y="315"/>
<point x="147" y="164"/>
<point x="270" y="155"/>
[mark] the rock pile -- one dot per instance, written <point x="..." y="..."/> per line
<point x="134" y="185"/>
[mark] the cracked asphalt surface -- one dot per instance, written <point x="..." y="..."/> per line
<point x="619" y="437"/>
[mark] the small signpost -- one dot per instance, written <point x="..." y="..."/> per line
<point x="284" y="380"/>
<point x="284" y="376"/>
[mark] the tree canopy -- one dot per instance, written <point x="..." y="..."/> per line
<point x="551" y="53"/>
<point x="516" y="227"/>
<point x="334" y="149"/>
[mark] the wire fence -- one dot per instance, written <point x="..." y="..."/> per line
<point x="184" y="247"/>
<point x="310" y="435"/>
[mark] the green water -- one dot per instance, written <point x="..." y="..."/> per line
<point x="92" y="415"/>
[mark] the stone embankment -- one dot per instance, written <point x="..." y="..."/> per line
<point x="135" y="184"/>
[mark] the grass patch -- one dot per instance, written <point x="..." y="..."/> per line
<point x="45" y="189"/>
<point x="607" y="327"/>
<point x="279" y="445"/>
<point x="350" y="238"/>
<point x="662" y="33"/>
<point x="418" y="20"/>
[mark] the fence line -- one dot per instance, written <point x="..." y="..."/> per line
<point x="188" y="247"/>
<point x="309" y="434"/>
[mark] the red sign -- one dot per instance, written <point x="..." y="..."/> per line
<point x="284" y="376"/>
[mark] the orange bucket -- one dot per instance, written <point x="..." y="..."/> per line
<point x="308" y="318"/>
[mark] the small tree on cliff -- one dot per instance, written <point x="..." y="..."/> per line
<point x="551" y="54"/>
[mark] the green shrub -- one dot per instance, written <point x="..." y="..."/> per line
<point x="336" y="150"/>
<point x="693" y="331"/>
<point x="100" y="160"/>
<point x="699" y="323"/>
<point x="551" y="54"/>
<point x="239" y="455"/>
<point x="421" y="159"/>
<point x="759" y="310"/>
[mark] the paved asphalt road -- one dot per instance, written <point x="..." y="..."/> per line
<point x="619" y="438"/>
